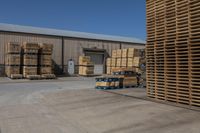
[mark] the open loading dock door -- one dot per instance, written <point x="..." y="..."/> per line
<point x="97" y="57"/>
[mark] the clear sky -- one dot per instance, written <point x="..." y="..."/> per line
<point x="112" y="17"/>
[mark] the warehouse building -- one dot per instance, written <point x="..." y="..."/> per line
<point x="67" y="45"/>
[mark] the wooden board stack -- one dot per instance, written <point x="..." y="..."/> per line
<point x="125" y="58"/>
<point x="30" y="59"/>
<point x="45" y="60"/>
<point x="12" y="60"/>
<point x="172" y="51"/>
<point x="86" y="67"/>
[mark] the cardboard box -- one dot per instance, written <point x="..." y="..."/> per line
<point x="108" y="70"/>
<point x="112" y="68"/>
<point x="83" y="59"/>
<point x="114" y="53"/>
<point x="118" y="64"/>
<point x="119" y="53"/>
<point x="86" y="70"/>
<point x="133" y="52"/>
<point x="124" y="53"/>
<point x="113" y="62"/>
<point x="108" y="62"/>
<point x="130" y="62"/>
<point x="137" y="61"/>
<point x="124" y="62"/>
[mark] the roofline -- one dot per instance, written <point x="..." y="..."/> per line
<point x="65" y="33"/>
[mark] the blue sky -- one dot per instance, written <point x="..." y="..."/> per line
<point x="112" y="17"/>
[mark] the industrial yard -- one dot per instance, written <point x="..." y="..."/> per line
<point x="72" y="105"/>
<point x="61" y="81"/>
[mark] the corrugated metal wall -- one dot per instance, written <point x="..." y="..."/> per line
<point x="129" y="45"/>
<point x="73" y="47"/>
<point x="15" y="37"/>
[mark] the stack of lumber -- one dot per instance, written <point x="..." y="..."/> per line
<point x="172" y="51"/>
<point x="107" y="82"/>
<point x="45" y="60"/>
<point x="30" y="59"/>
<point x="125" y="58"/>
<point x="86" y="67"/>
<point x="12" y="60"/>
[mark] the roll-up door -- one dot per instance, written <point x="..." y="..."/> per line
<point x="98" y="59"/>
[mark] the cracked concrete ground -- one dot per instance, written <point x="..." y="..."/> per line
<point x="72" y="105"/>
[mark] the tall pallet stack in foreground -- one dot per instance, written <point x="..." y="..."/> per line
<point x="30" y="59"/>
<point x="45" y="61"/>
<point x="86" y="67"/>
<point x="12" y="60"/>
<point x="172" y="51"/>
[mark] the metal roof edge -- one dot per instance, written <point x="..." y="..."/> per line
<point x="67" y="33"/>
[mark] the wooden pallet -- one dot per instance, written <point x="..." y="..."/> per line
<point x="29" y="70"/>
<point x="33" y="77"/>
<point x="16" y="76"/>
<point x="172" y="50"/>
<point x="48" y="76"/>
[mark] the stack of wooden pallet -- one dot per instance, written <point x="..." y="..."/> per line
<point x="172" y="51"/>
<point x="125" y="58"/>
<point x="45" y="61"/>
<point x="12" y="60"/>
<point x="86" y="67"/>
<point x="30" y="60"/>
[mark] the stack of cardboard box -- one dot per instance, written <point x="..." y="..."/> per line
<point x="125" y="58"/>
<point x="86" y="67"/>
